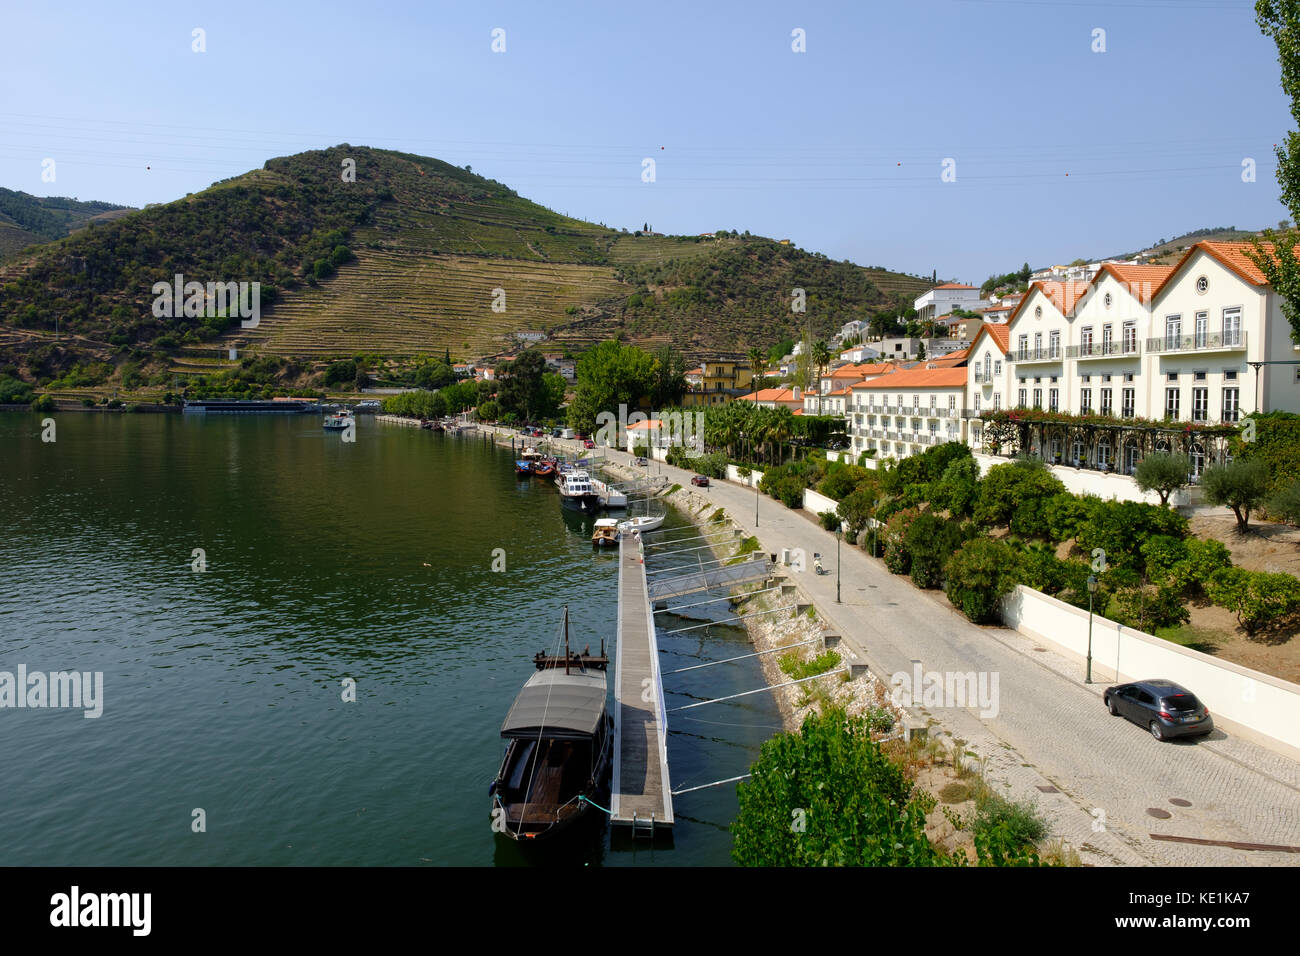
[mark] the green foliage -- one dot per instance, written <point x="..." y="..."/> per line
<point x="1007" y="825"/>
<point x="489" y="411"/>
<point x="841" y="479"/>
<point x="829" y="520"/>
<point x="979" y="574"/>
<point x="1257" y="598"/>
<point x="1160" y="553"/>
<point x="1190" y="574"/>
<point x="522" y="388"/>
<point x="416" y="405"/>
<point x="460" y="396"/>
<point x="1241" y="485"/>
<point x="797" y="669"/>
<point x="1015" y="493"/>
<point x="1063" y="514"/>
<point x="340" y="373"/>
<point x="931" y="542"/>
<point x="434" y="374"/>
<point x="1163" y="474"/>
<point x="897" y="558"/>
<point x="856" y="508"/>
<point x="1149" y="608"/>
<point x="829" y="796"/>
<point x="43" y="404"/>
<point x="1276" y="443"/>
<point x="957" y="489"/>
<point x="1285" y="503"/>
<point x="1120" y="527"/>
<point x="1042" y="570"/>
<point x="14" y="391"/>
<point x="609" y="375"/>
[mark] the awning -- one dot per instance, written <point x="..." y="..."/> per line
<point x="555" y="704"/>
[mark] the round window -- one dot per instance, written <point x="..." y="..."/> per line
<point x="1106" y="300"/>
<point x="1202" y="284"/>
<point x="1038" y="311"/>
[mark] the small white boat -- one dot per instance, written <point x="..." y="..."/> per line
<point x="606" y="533"/>
<point x="642" y="523"/>
<point x="339" y="421"/>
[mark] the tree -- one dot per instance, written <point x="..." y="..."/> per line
<point x="609" y="375"/>
<point x="920" y="351"/>
<point x="521" y="389"/>
<point x="434" y="375"/>
<point x="978" y="574"/>
<point x="668" y="381"/>
<point x="1280" y="21"/>
<point x="821" y="357"/>
<point x="830" y="796"/>
<point x="757" y="361"/>
<point x="1163" y="473"/>
<point x="1241" y="485"/>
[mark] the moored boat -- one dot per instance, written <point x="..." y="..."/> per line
<point x="606" y="533"/>
<point x="641" y="523"/>
<point x="560" y="746"/>
<point x="576" y="491"/>
<point x="338" y="421"/>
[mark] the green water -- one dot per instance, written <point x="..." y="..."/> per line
<point x="324" y="561"/>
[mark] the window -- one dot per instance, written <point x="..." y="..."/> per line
<point x="1171" y="377"/>
<point x="1086" y="379"/>
<point x="1129" y="398"/>
<point x="997" y="401"/>
<point x="1230" y="374"/>
<point x="1085" y="401"/>
<point x="1198" y="459"/>
<point x="1105" y="300"/>
<point x="1085" y="340"/>
<point x="1023" y="394"/>
<point x="997" y="367"/>
<point x="1173" y="332"/>
<point x="1053" y="403"/>
<point x="1128" y="376"/>
<point x="1054" y="344"/>
<point x="1038" y="311"/>
<point x="1202" y="335"/>
<point x="1171" y="403"/>
<point x="1231" y="404"/>
<point x="1105" y="378"/>
<point x="1200" y="404"/>
<point x="1106" y="340"/>
<point x="977" y="401"/>
<point x="1106" y="407"/>
<point x="1038" y="398"/>
<point x="952" y="403"/>
<point x="1024" y="347"/>
<point x="1103" y="452"/>
<point x="1200" y="376"/>
<point x="1130" y="338"/>
<point x="1038" y="345"/>
<point x="1202" y="283"/>
<point x="1076" y="452"/>
<point x="1232" y="326"/>
<point x="1052" y="379"/>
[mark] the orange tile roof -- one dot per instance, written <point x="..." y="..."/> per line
<point x="953" y="285"/>
<point x="1233" y="256"/>
<point x="846" y="390"/>
<point x="921" y="377"/>
<point x="1063" y="295"/>
<point x="772" y="395"/>
<point x="1000" y="333"/>
<point x="1141" y="281"/>
<point x="864" y="368"/>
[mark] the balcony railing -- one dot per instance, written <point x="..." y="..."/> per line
<point x="1048" y="354"/>
<point x="1102" y="350"/>
<point x="1197" y="343"/>
<point x="983" y="378"/>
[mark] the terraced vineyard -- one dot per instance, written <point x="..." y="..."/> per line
<point x="403" y="303"/>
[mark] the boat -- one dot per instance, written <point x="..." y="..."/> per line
<point x="641" y="523"/>
<point x="524" y="469"/>
<point x="544" y="467"/>
<point x="338" y="421"/>
<point x="530" y="454"/>
<point x="576" y="491"/>
<point x="610" y="497"/>
<point x="606" y="533"/>
<point x="560" y="746"/>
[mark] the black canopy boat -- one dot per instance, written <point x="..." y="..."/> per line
<point x="560" y="751"/>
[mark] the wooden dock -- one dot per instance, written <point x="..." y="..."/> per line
<point x="641" y="794"/>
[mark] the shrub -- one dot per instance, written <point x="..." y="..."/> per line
<point x="340" y="373"/>
<point x="1240" y="485"/>
<point x="1015" y="824"/>
<point x="897" y="558"/>
<point x="841" y="479"/>
<point x="1285" y="503"/>
<point x="1063" y="514"/>
<point x="14" y="391"/>
<point x="1258" y="598"/>
<point x="1016" y="488"/>
<point x="1042" y="570"/>
<point x="1160" y="553"/>
<point x="43" y="404"/>
<point x="797" y="669"/>
<point x="1203" y="558"/>
<point x="1120" y="527"/>
<point x="931" y="541"/>
<point x="958" y="488"/>
<point x="1149" y="608"/>
<point x="856" y="508"/>
<point x="979" y="574"/>
<point x="829" y="520"/>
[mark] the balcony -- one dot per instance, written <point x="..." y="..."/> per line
<point x="983" y="378"/>
<point x="1218" y="342"/>
<point x="1036" y="355"/>
<point x="1103" y="350"/>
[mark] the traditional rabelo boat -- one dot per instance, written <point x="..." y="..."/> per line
<point x="544" y="468"/>
<point x="560" y="750"/>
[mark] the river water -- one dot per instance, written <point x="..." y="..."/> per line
<point x="323" y="562"/>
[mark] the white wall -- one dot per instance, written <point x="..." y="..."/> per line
<point x="1247" y="702"/>
<point x="1082" y="481"/>
<point x="815" y="502"/>
<point x="733" y="474"/>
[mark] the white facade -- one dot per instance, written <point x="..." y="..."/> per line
<point x="907" y="412"/>
<point x="944" y="299"/>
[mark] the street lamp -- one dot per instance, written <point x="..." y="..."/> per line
<point x="839" y="536"/>
<point x="1092" y="589"/>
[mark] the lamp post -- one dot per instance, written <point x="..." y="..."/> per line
<point x="839" y="536"/>
<point x="1092" y="589"/>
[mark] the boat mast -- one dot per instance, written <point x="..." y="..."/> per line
<point x="566" y="639"/>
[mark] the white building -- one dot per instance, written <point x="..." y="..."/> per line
<point x="909" y="411"/>
<point x="859" y="353"/>
<point x="943" y="299"/>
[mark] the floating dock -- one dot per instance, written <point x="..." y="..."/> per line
<point x="641" y="795"/>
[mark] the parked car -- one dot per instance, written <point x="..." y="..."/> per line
<point x="838" y="444"/>
<point x="588" y="443"/>
<point x="1161" y="706"/>
<point x="642" y="462"/>
<point x="700" y="481"/>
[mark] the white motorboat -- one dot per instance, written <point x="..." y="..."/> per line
<point x="339" y="421"/>
<point x="576" y="491"/>
<point x="641" y="523"/>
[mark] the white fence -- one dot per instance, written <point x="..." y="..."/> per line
<point x="1245" y="701"/>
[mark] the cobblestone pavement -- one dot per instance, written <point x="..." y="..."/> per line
<point x="1050" y="729"/>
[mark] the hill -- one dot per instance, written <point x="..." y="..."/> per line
<point x="404" y="261"/>
<point x="1167" y="251"/>
<point x="27" y="220"/>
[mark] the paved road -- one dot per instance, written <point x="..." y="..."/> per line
<point x="1051" y="730"/>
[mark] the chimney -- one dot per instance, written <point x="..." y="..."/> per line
<point x="796" y="393"/>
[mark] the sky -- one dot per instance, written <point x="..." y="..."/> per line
<point x="1058" y="141"/>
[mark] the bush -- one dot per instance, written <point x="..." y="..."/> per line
<point x="1120" y="527"/>
<point x="1203" y="558"/>
<point x="1160" y="553"/>
<point x="1258" y="598"/>
<point x="841" y="480"/>
<point x="931" y="541"/>
<point x="1014" y="824"/>
<point x="897" y="558"/>
<point x="829" y="520"/>
<point x="1063" y="514"/>
<point x="14" y="391"/>
<point x="979" y="574"/>
<point x="1285" y="503"/>
<point x="856" y="508"/>
<point x="341" y="373"/>
<point x="796" y="669"/>
<point x="1042" y="570"/>
<point x="958" y="488"/>
<point x="1016" y="490"/>
<point x="1149" y="608"/>
<point x="1240" y="485"/>
<point x="44" y="404"/>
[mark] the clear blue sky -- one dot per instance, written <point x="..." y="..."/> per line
<point x="838" y="149"/>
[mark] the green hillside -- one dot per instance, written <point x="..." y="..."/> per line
<point x="26" y="220"/>
<point x="403" y="262"/>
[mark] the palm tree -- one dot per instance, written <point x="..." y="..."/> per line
<point x="821" y="357"/>
<point x="780" y="428"/>
<point x="757" y="360"/>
